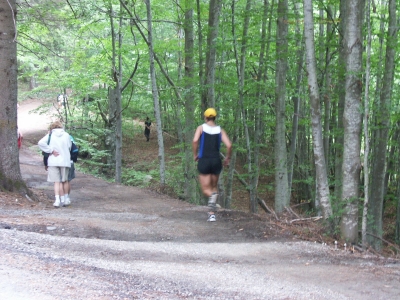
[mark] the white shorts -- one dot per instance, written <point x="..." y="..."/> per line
<point x="57" y="174"/>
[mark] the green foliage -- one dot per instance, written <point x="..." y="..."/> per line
<point x="139" y="178"/>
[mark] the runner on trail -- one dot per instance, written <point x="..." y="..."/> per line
<point x="206" y="145"/>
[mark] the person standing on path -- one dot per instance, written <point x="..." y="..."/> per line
<point x="147" y="125"/>
<point x="206" y="151"/>
<point x="59" y="161"/>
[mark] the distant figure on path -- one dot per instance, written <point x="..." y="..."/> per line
<point x="209" y="164"/>
<point x="61" y="100"/>
<point x="20" y="137"/>
<point x="147" y="125"/>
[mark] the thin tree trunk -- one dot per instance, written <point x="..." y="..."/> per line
<point x="208" y="94"/>
<point x="378" y="85"/>
<point x="154" y="90"/>
<point x="304" y="170"/>
<point x="260" y="94"/>
<point x="397" y="224"/>
<point x="392" y="161"/>
<point x="338" y="146"/>
<point x="32" y="82"/>
<point x="114" y="130"/>
<point x="241" y="65"/>
<point x="110" y="138"/>
<point x="231" y="170"/>
<point x="383" y="122"/>
<point x="201" y="59"/>
<point x="296" y="98"/>
<point x="190" y="171"/>
<point x="237" y="123"/>
<point x="319" y="157"/>
<point x="366" y="135"/>
<point x="352" y="119"/>
<point x="327" y="92"/>
<point x="282" y="195"/>
<point x="118" y="127"/>
<point x="179" y="120"/>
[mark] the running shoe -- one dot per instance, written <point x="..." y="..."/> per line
<point x="211" y="218"/>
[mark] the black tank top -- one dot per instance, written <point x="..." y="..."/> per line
<point x="210" y="141"/>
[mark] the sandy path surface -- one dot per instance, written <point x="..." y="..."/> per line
<point x="118" y="242"/>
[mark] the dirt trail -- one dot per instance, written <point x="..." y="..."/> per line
<point x="117" y="242"/>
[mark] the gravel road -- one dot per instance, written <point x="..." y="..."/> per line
<point x="117" y="242"/>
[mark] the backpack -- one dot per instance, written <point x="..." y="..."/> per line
<point x="46" y="155"/>
<point x="74" y="152"/>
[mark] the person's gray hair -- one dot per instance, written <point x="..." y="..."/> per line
<point x="56" y="124"/>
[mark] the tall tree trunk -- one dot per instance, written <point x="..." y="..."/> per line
<point x="366" y="135"/>
<point x="282" y="195"/>
<point x="260" y="94"/>
<point x="327" y="91"/>
<point x="352" y="119"/>
<point x="201" y="58"/>
<point x="392" y="160"/>
<point x="397" y="224"/>
<point x="114" y="136"/>
<point x="339" y="107"/>
<point x="382" y="132"/>
<point x="231" y="169"/>
<point x="10" y="174"/>
<point x="177" y="105"/>
<point x="237" y="114"/>
<point x="190" y="170"/>
<point x="118" y="138"/>
<point x="32" y="82"/>
<point x="154" y="89"/>
<point x="296" y="98"/>
<point x="241" y="66"/>
<point x="305" y="172"/>
<point x="319" y="156"/>
<point x="208" y="93"/>
<point x="378" y="84"/>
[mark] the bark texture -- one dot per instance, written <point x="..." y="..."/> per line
<point x="282" y="195"/>
<point x="190" y="170"/>
<point x="318" y="146"/>
<point x="208" y="95"/>
<point x="10" y="175"/>
<point x="382" y="133"/>
<point x="154" y="89"/>
<point x="352" y="119"/>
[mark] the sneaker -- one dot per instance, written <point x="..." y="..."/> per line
<point x="212" y="201"/>
<point x="211" y="218"/>
<point x="67" y="202"/>
<point x="56" y="203"/>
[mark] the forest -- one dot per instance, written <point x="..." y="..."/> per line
<point x="306" y="90"/>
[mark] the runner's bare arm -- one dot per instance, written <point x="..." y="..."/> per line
<point x="225" y="139"/>
<point x="195" y="143"/>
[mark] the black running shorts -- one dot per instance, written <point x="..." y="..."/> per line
<point x="209" y="166"/>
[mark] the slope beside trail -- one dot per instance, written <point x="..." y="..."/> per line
<point x="120" y="242"/>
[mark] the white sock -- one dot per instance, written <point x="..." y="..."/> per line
<point x="66" y="196"/>
<point x="62" y="199"/>
<point x="57" y="197"/>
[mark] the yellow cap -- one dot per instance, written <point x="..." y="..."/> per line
<point x="210" y="113"/>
